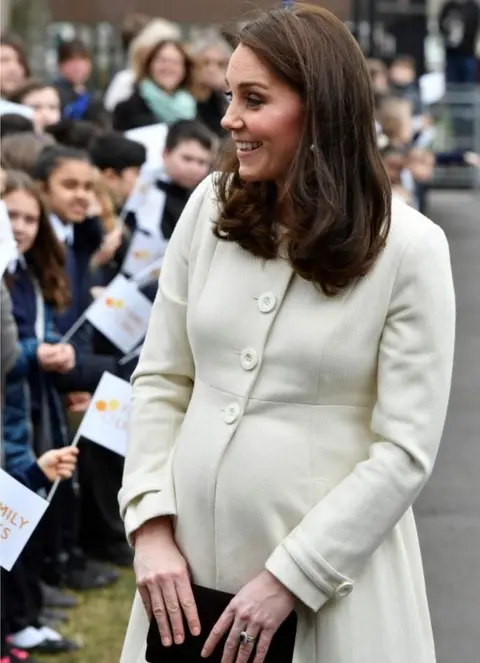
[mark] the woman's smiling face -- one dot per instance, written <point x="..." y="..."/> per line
<point x="264" y="118"/>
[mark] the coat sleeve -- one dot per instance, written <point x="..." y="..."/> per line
<point x="31" y="476"/>
<point x="8" y="329"/>
<point x="162" y="384"/>
<point x="320" y="557"/>
<point x="26" y="358"/>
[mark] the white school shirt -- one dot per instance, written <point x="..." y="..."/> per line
<point x="64" y="232"/>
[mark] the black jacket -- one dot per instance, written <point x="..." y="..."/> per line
<point x="133" y="113"/>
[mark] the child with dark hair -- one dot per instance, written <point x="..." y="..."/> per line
<point x="75" y="67"/>
<point x="68" y="180"/>
<point x="119" y="160"/>
<point x="187" y="159"/>
<point x="12" y="123"/>
<point x="42" y="98"/>
<point x="74" y="133"/>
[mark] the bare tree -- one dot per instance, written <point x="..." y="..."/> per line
<point x="29" y="19"/>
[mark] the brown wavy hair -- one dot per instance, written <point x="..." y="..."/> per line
<point x="46" y="258"/>
<point x="334" y="207"/>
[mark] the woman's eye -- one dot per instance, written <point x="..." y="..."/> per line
<point x="253" y="102"/>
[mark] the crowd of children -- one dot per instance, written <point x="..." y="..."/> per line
<point x="407" y="130"/>
<point x="66" y="176"/>
<point x="63" y="209"/>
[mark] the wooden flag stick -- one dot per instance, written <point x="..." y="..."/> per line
<point x="56" y="483"/>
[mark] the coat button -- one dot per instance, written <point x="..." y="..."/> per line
<point x="249" y="359"/>
<point x="231" y="413"/>
<point x="267" y="302"/>
<point x="344" y="590"/>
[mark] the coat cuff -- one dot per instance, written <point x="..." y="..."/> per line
<point x="146" y="507"/>
<point x="36" y="478"/>
<point x="286" y="570"/>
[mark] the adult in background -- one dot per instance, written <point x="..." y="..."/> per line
<point x="292" y="389"/>
<point x="14" y="67"/>
<point x="160" y="94"/>
<point x="123" y="85"/>
<point x="210" y="57"/>
<point x="120" y="87"/>
<point x="459" y="22"/>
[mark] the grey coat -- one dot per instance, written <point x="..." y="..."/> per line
<point x="8" y="328"/>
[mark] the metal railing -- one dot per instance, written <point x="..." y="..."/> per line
<point x="457" y="119"/>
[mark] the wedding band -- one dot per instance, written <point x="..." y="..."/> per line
<point x="246" y="639"/>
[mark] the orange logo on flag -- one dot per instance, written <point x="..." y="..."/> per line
<point x="107" y="406"/>
<point x="110" y="302"/>
<point x="113" y="413"/>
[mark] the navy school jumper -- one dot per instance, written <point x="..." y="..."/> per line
<point x="89" y="367"/>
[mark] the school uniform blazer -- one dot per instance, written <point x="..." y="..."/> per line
<point x="289" y="430"/>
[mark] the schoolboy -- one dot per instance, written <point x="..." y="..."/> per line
<point x="187" y="159"/>
<point x="119" y="161"/>
<point x="74" y="71"/>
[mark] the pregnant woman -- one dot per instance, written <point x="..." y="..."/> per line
<point x="291" y="393"/>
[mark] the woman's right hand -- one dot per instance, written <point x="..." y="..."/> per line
<point x="163" y="581"/>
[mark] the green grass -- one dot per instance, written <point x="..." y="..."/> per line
<point x="99" y="622"/>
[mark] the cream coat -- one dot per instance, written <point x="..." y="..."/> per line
<point x="290" y="430"/>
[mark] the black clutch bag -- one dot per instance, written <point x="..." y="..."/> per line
<point x="210" y="605"/>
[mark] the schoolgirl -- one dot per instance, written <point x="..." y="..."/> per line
<point x="33" y="416"/>
<point x="68" y="184"/>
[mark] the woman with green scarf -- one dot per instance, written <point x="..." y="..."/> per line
<point x="159" y="95"/>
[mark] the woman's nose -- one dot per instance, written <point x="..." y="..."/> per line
<point x="231" y="121"/>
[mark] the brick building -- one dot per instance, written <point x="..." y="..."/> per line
<point x="182" y="11"/>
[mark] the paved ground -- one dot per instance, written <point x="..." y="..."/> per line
<point x="448" y="511"/>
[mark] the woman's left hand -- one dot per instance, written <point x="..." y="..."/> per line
<point x="259" y="609"/>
